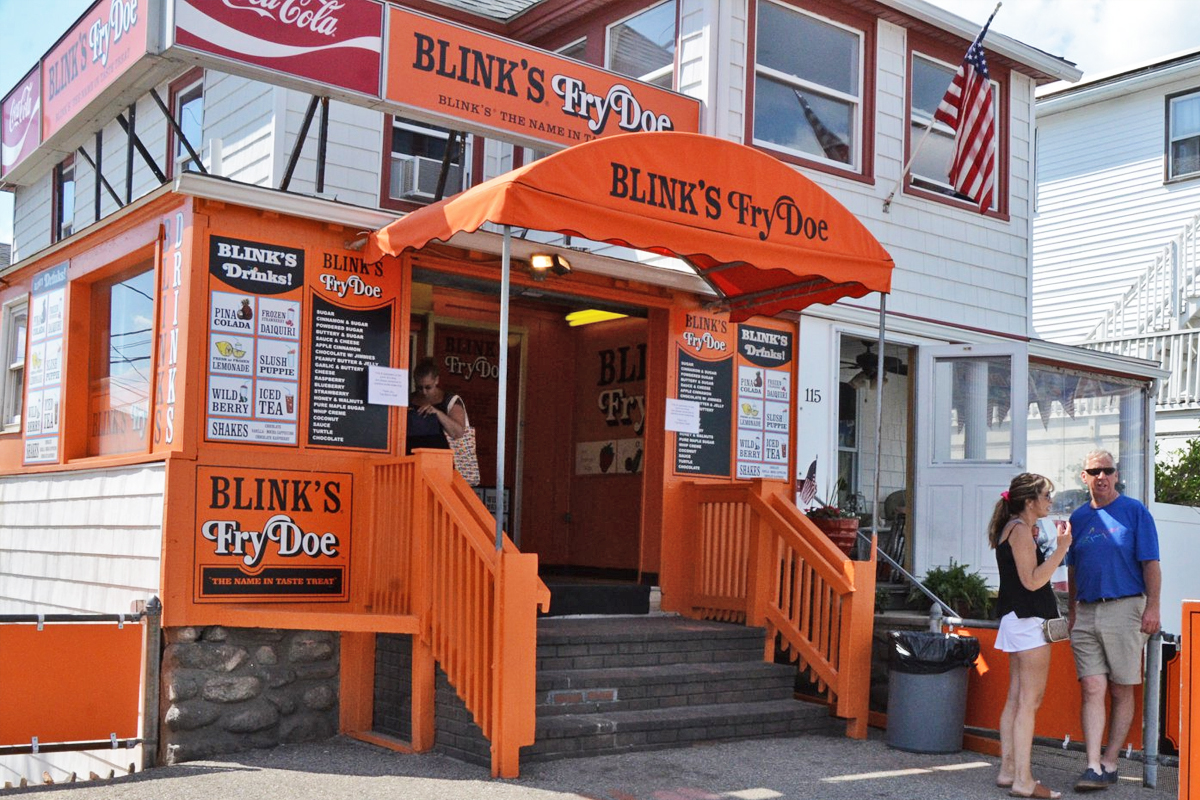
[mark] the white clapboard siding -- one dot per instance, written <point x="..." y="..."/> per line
<point x="353" y="155"/>
<point x="31" y="218"/>
<point x="240" y="112"/>
<point x="1104" y="212"/>
<point x="80" y="542"/>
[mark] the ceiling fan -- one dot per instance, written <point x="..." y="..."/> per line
<point x="868" y="364"/>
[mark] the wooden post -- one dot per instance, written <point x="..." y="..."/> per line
<point x="515" y="663"/>
<point x="854" y="660"/>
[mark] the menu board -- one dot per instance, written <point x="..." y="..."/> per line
<point x="764" y="393"/>
<point x="705" y="376"/>
<point x="345" y="342"/>
<point x="44" y="375"/>
<point x="253" y="342"/>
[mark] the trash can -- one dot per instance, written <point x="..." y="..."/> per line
<point x="927" y="690"/>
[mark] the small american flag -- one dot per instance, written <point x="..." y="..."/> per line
<point x="808" y="488"/>
<point x="967" y="109"/>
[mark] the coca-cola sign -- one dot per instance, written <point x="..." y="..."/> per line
<point x="330" y="42"/>
<point x="21" y="112"/>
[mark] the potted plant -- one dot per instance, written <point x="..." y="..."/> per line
<point x="839" y="523"/>
<point x="965" y="592"/>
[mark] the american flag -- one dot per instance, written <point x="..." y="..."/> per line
<point x="967" y="108"/>
<point x="808" y="488"/>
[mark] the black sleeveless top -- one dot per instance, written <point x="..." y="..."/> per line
<point x="424" y="430"/>
<point x="1013" y="594"/>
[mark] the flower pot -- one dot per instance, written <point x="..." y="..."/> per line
<point x="842" y="531"/>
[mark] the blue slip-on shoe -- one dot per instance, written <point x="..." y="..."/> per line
<point x="1090" y="780"/>
<point x="1108" y="777"/>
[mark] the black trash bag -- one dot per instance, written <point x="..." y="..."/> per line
<point x="928" y="653"/>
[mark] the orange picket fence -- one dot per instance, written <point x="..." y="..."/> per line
<point x="762" y="562"/>
<point x="477" y="607"/>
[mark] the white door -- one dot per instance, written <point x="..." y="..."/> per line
<point x="972" y="408"/>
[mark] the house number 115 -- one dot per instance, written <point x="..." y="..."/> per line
<point x="812" y="395"/>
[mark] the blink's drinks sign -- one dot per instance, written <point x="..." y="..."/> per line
<point x="495" y="84"/>
<point x="329" y="42"/>
<point x="272" y="535"/>
<point x="21" y="118"/>
<point x="107" y="41"/>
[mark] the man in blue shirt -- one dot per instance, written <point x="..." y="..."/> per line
<point x="1114" y="583"/>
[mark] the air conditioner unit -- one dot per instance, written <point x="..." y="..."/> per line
<point x="416" y="178"/>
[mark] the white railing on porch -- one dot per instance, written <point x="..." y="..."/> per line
<point x="1177" y="351"/>
<point x="1160" y="298"/>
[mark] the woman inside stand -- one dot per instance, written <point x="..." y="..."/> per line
<point x="432" y="416"/>
<point x="1026" y="600"/>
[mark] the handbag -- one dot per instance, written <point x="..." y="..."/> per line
<point x="466" y="461"/>
<point x="1055" y="629"/>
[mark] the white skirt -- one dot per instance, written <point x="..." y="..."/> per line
<point x="1018" y="634"/>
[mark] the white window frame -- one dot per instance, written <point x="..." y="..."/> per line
<point x="795" y="81"/>
<point x="12" y="383"/>
<point x="182" y="161"/>
<point x="655" y="75"/>
<point x="565" y="50"/>
<point x="919" y="118"/>
<point x="1172" y="175"/>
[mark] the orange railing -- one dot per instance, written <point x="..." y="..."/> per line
<point x="434" y="556"/>
<point x="761" y="562"/>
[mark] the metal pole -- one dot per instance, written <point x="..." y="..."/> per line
<point x="1151" y="688"/>
<point x="152" y="675"/>
<point x="502" y="398"/>
<point x="880" y="375"/>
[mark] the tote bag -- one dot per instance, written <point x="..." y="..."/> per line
<point x="466" y="462"/>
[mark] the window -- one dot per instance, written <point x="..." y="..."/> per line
<point x="64" y="199"/>
<point x="187" y="107"/>
<point x="122" y="313"/>
<point x="931" y="167"/>
<point x="808" y="99"/>
<point x="412" y="168"/>
<point x="14" y="326"/>
<point x="1183" y="136"/>
<point x="847" y="440"/>
<point x="643" y="46"/>
<point x="576" y="50"/>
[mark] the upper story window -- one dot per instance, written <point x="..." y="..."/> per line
<point x="808" y="85"/>
<point x="187" y="107"/>
<point x="64" y="199"/>
<point x="414" y="163"/>
<point x="643" y="46"/>
<point x="1183" y="136"/>
<point x="930" y="170"/>
<point x="576" y="50"/>
<point x="122" y="348"/>
<point x="14" y="326"/>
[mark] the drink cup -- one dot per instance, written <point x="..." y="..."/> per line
<point x="290" y="402"/>
<point x="1060" y="525"/>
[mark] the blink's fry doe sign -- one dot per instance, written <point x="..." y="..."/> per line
<point x="272" y="535"/>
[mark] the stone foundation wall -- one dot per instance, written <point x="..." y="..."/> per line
<point x="229" y="689"/>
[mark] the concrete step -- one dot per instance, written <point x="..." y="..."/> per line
<point x="573" y="735"/>
<point x="598" y="643"/>
<point x="662" y="686"/>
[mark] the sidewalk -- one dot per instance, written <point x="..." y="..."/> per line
<point x="828" y="768"/>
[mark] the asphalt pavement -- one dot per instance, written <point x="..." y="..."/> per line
<point x="824" y="767"/>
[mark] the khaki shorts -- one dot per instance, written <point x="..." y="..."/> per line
<point x="1107" y="639"/>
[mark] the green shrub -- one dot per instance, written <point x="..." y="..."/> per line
<point x="965" y="592"/>
<point x="1178" y="480"/>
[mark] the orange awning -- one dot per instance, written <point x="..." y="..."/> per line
<point x="765" y="237"/>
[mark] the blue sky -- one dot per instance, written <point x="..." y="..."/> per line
<point x="1099" y="35"/>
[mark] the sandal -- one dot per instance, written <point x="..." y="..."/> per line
<point x="1039" y="791"/>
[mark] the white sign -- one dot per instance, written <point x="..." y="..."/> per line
<point x="683" y="416"/>
<point x="387" y="386"/>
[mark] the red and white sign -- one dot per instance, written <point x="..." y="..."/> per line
<point x="107" y="41"/>
<point x="485" y="82"/>
<point x="329" y="42"/>
<point x="21" y="115"/>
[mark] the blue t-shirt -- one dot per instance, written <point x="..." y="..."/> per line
<point x="1108" y="546"/>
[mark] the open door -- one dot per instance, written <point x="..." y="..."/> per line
<point x="972" y="402"/>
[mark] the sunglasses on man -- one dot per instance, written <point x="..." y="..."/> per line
<point x="1094" y="471"/>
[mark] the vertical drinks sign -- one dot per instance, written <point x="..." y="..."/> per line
<point x="253" y="341"/>
<point x="43" y="386"/>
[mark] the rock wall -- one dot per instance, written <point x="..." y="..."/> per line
<point x="229" y="689"/>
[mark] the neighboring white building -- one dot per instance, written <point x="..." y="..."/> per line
<point x="1114" y="234"/>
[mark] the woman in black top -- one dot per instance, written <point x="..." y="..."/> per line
<point x="1026" y="599"/>
<point x="432" y="414"/>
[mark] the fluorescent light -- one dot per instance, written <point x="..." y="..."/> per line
<point x="590" y="315"/>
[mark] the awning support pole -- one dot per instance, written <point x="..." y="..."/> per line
<point x="879" y="382"/>
<point x="502" y="397"/>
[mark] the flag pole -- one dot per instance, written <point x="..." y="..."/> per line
<point x="887" y="203"/>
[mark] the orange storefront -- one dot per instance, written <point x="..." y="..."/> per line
<point x="262" y="338"/>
